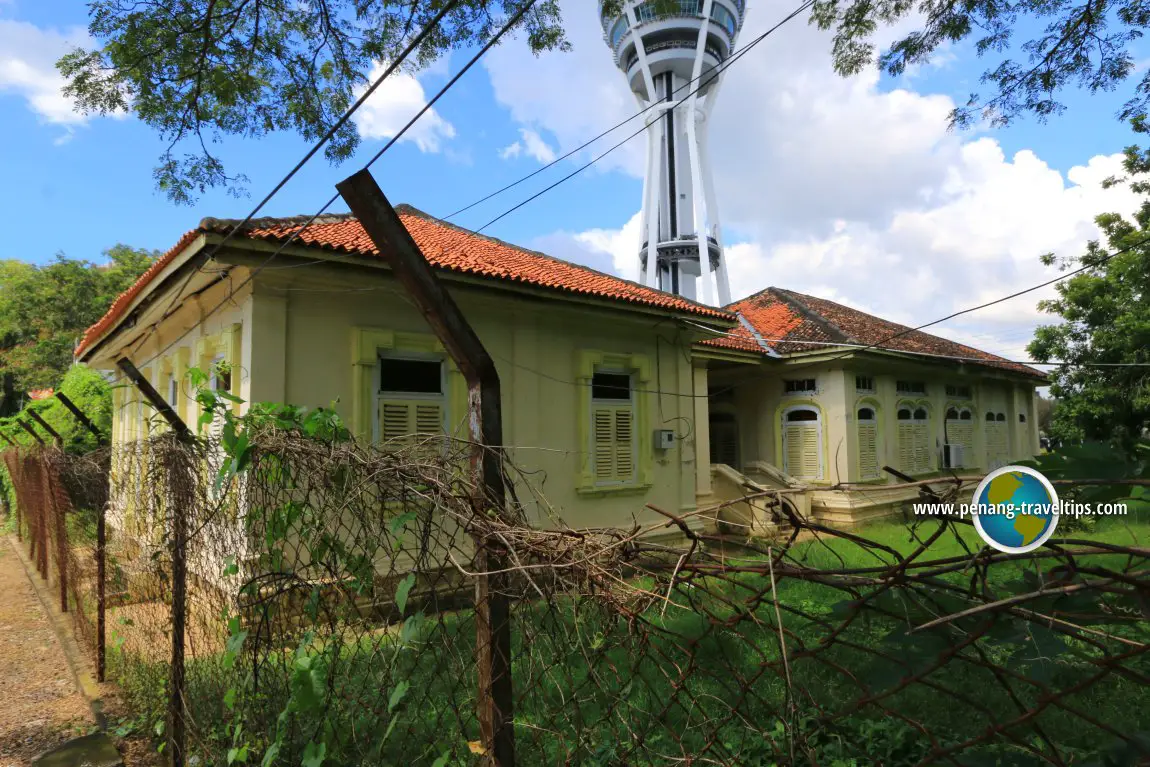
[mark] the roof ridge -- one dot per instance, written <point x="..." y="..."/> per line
<point x="213" y="224"/>
<point x="790" y="297"/>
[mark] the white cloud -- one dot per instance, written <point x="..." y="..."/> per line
<point x="395" y="102"/>
<point x="531" y="143"/>
<point x="28" y="57"/>
<point x="837" y="188"/>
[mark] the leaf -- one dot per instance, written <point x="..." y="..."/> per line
<point x="314" y="754"/>
<point x="442" y="761"/>
<point x="402" y="591"/>
<point x="230" y="698"/>
<point x="401" y="521"/>
<point x="397" y="695"/>
<point x="270" y="755"/>
<point x="476" y="747"/>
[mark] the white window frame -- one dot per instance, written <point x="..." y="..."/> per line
<point x="379" y="394"/>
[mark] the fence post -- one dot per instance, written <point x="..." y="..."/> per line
<point x="55" y="509"/>
<point x="101" y="554"/>
<point x="492" y="611"/>
<point x="177" y="711"/>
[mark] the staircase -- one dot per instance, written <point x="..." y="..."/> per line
<point x="748" y="504"/>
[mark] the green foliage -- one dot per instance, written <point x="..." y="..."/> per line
<point x="89" y="391"/>
<point x="45" y="309"/>
<point x="1105" y="324"/>
<point x="194" y="70"/>
<point x="1070" y="44"/>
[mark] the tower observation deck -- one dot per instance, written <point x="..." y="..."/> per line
<point x="669" y="51"/>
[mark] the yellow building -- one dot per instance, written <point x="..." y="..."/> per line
<point x="830" y="395"/>
<point x="615" y="395"/>
<point x="600" y="397"/>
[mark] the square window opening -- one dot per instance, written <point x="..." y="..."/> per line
<point x="611" y="387"/>
<point x="796" y="385"/>
<point x="411" y="376"/>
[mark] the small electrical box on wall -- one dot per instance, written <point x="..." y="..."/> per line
<point x="664" y="439"/>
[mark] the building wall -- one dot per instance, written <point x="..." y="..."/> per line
<point x="760" y="400"/>
<point x="301" y="345"/>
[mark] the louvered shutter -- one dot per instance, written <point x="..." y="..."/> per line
<point x="906" y="453"/>
<point x="922" y="447"/>
<point x="801" y="450"/>
<point x="400" y="419"/>
<point x="603" y="420"/>
<point x="961" y="433"/>
<point x="868" y="449"/>
<point x="613" y="443"/>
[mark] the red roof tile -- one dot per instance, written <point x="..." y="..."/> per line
<point x="785" y="320"/>
<point x="446" y="246"/>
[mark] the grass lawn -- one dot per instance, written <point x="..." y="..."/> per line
<point x="700" y="679"/>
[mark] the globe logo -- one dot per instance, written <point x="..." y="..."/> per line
<point x="1015" y="509"/>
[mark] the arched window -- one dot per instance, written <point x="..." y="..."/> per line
<point x="1000" y="417"/>
<point x="803" y="443"/>
<point x="989" y="417"/>
<point x="867" y="424"/>
<point x="1022" y="417"/>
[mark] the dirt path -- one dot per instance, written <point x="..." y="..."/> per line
<point x="40" y="706"/>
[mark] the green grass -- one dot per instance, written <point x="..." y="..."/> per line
<point x="593" y="688"/>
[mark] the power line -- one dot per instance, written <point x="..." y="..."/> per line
<point x="342" y="121"/>
<point x="713" y="72"/>
<point x="1105" y="259"/>
<point x="619" y="124"/>
<point x="296" y="233"/>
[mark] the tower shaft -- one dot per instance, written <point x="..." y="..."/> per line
<point x="672" y="62"/>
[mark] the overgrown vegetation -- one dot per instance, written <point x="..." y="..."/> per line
<point x="45" y="309"/>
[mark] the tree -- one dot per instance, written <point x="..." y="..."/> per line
<point x="1105" y="327"/>
<point x="45" y="309"/>
<point x="1084" y="43"/>
<point x="195" y="70"/>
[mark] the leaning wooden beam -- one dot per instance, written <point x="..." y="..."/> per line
<point x="485" y="419"/>
<point x="153" y="397"/>
<point x="79" y="415"/>
<point x="28" y="428"/>
<point x="8" y="439"/>
<point x="44" y="425"/>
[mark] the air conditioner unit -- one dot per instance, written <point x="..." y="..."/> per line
<point x="952" y="456"/>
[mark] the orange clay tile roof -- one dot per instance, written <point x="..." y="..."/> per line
<point x="40" y="393"/>
<point x="785" y="320"/>
<point x="446" y="246"/>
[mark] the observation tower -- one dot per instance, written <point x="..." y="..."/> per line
<point x="669" y="50"/>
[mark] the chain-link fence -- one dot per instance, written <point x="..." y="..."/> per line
<point x="344" y="604"/>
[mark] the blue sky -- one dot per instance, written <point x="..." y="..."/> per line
<point x="820" y="179"/>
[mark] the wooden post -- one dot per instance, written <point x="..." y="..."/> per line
<point x="162" y="407"/>
<point x="28" y="428"/>
<point x="79" y="415"/>
<point x="485" y="420"/>
<point x="177" y="709"/>
<point x="101" y="590"/>
<point x="44" y="425"/>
